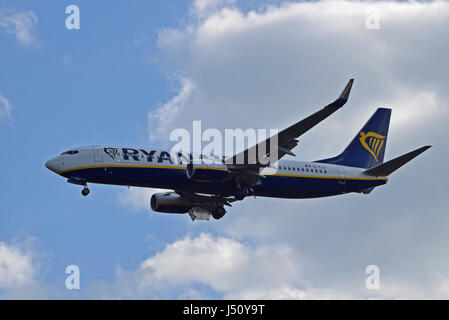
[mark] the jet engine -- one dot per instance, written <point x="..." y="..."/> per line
<point x="170" y="202"/>
<point x="207" y="172"/>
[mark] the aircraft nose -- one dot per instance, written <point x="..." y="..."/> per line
<point x="51" y="164"/>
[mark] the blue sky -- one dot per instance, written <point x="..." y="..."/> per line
<point x="100" y="97"/>
<point x="142" y="68"/>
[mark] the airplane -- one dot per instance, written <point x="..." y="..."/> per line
<point x="203" y="190"/>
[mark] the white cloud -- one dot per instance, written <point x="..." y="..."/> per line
<point x="21" y="24"/>
<point x="417" y="107"/>
<point x="166" y="114"/>
<point x="223" y="264"/>
<point x="22" y="266"/>
<point x="237" y="270"/>
<point x="5" y="106"/>
<point x="274" y="65"/>
<point x="204" y="8"/>
<point x="289" y="293"/>
<point x="16" y="267"/>
<point x="294" y="57"/>
<point x="137" y="198"/>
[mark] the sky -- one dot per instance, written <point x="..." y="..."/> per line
<point x="133" y="72"/>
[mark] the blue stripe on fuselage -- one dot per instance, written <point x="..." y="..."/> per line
<point x="280" y="186"/>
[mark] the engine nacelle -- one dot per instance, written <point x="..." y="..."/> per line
<point x="170" y="202"/>
<point x="207" y="172"/>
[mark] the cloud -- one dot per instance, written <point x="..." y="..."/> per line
<point x="269" y="66"/>
<point x="137" y="199"/>
<point x="5" y="106"/>
<point x="289" y="293"/>
<point x="234" y="67"/>
<point x="16" y="267"/>
<point x="226" y="266"/>
<point x="236" y="270"/>
<point x="163" y="117"/>
<point x="417" y="107"/>
<point x="204" y="8"/>
<point x="22" y="268"/>
<point x="21" y="24"/>
<point x="206" y="266"/>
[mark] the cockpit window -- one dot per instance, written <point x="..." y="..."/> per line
<point x="71" y="152"/>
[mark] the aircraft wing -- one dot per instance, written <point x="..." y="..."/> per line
<point x="287" y="138"/>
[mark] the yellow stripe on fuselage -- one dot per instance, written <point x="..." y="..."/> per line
<point x="183" y="168"/>
<point x="325" y="177"/>
<point x="209" y="168"/>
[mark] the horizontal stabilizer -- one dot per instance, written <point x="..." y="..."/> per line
<point x="389" y="167"/>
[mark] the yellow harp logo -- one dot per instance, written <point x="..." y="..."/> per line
<point x="372" y="142"/>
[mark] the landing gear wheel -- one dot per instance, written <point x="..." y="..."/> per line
<point x="218" y="213"/>
<point x="85" y="191"/>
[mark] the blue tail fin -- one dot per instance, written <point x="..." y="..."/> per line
<point x="367" y="149"/>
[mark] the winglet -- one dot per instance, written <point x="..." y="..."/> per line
<point x="345" y="94"/>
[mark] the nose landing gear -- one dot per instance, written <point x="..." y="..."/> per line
<point x="85" y="191"/>
<point x="80" y="182"/>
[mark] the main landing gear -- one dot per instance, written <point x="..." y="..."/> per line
<point x="85" y="191"/>
<point x="241" y="190"/>
<point x="218" y="213"/>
